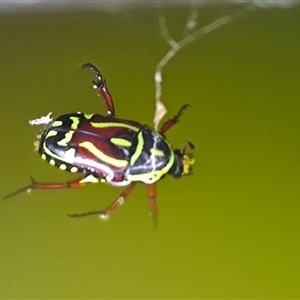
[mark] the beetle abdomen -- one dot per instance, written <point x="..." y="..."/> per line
<point x="88" y="142"/>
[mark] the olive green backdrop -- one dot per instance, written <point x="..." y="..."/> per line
<point x="229" y="231"/>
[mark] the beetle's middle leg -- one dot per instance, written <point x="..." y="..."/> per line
<point x="104" y="214"/>
<point x="152" y="201"/>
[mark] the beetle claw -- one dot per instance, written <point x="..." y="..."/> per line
<point x="32" y="180"/>
<point x="27" y="189"/>
<point x="102" y="214"/>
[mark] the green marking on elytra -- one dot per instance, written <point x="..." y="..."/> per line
<point x="121" y="142"/>
<point x="119" y="163"/>
<point x="138" y="150"/>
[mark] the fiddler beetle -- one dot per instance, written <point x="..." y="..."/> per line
<point x="108" y="149"/>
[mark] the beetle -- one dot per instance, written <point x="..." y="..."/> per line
<point x="109" y="149"/>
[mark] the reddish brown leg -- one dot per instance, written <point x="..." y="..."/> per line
<point x="104" y="214"/>
<point x="152" y="201"/>
<point x="100" y="85"/>
<point x="47" y="186"/>
<point x="171" y="122"/>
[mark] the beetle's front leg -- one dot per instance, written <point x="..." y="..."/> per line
<point x="171" y="122"/>
<point x="152" y="201"/>
<point x="104" y="214"/>
<point x="100" y="85"/>
<point x="79" y="182"/>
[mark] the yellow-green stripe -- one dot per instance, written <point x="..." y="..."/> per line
<point x="119" y="163"/>
<point x="113" y="124"/>
<point x="139" y="149"/>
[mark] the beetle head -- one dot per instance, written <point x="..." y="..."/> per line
<point x="183" y="161"/>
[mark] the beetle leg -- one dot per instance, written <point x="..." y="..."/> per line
<point x="171" y="122"/>
<point x="100" y="85"/>
<point x="152" y="201"/>
<point x="188" y="145"/>
<point x="104" y="214"/>
<point x="47" y="186"/>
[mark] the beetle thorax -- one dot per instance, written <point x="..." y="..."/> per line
<point x="152" y="159"/>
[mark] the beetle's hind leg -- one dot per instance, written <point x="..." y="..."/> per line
<point x="104" y="214"/>
<point x="79" y="182"/>
<point x="100" y="85"/>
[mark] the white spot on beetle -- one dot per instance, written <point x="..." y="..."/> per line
<point x="74" y="170"/>
<point x="63" y="167"/>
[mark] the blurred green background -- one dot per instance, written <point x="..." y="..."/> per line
<point x="229" y="231"/>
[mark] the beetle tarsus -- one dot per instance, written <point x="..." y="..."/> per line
<point x="102" y="214"/>
<point x="100" y="85"/>
<point x="171" y="122"/>
<point x="27" y="189"/>
<point x="46" y="186"/>
<point x="188" y="145"/>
